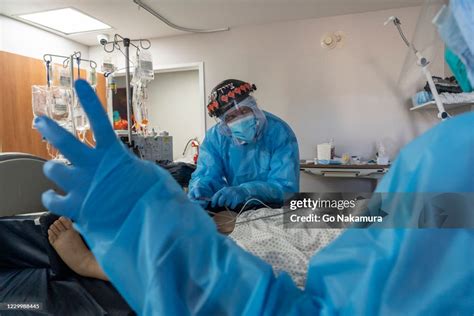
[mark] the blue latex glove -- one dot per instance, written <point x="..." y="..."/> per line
<point x="109" y="158"/>
<point x="76" y="179"/>
<point x="230" y="197"/>
<point x="200" y="196"/>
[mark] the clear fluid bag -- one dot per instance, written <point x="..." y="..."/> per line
<point x="144" y="66"/>
<point x="54" y="102"/>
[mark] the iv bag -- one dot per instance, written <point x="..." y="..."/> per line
<point x="139" y="104"/>
<point x="54" y="102"/>
<point x="81" y="122"/>
<point x="60" y="103"/>
<point x="108" y="65"/>
<point x="61" y="76"/>
<point x="142" y="74"/>
<point x="39" y="102"/>
<point x="144" y="66"/>
<point x="92" y="77"/>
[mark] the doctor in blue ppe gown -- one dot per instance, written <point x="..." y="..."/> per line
<point x="248" y="154"/>
<point x="164" y="255"/>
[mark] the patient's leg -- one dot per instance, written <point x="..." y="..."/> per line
<point x="70" y="247"/>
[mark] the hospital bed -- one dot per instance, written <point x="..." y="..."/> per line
<point x="30" y="270"/>
<point x="263" y="233"/>
<point x="288" y="246"/>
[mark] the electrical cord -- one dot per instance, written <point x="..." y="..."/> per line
<point x="262" y="217"/>
<point x="234" y="219"/>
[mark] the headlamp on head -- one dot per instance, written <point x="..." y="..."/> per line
<point x="226" y="94"/>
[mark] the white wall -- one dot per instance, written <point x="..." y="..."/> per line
<point x="174" y="106"/>
<point x="23" y="39"/>
<point x="350" y="94"/>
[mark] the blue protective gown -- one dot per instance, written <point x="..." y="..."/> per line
<point x="164" y="255"/>
<point x="268" y="168"/>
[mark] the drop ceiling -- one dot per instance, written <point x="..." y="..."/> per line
<point x="128" y="19"/>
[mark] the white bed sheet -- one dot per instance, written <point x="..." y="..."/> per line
<point x="285" y="249"/>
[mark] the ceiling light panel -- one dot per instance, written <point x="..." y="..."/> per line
<point x="67" y="21"/>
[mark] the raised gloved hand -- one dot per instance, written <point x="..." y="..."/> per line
<point x="200" y="196"/>
<point x="230" y="197"/>
<point x="108" y="162"/>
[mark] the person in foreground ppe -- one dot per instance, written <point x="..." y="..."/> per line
<point x="455" y="25"/>
<point x="248" y="154"/>
<point x="164" y="255"/>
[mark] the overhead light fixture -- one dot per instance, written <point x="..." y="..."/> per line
<point x="67" y="21"/>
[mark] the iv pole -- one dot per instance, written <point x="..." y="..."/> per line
<point x="48" y="58"/>
<point x="126" y="44"/>
<point x="423" y="63"/>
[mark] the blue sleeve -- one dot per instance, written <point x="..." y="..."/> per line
<point x="413" y="271"/>
<point x="209" y="174"/>
<point x="396" y="271"/>
<point x="164" y="255"/>
<point x="284" y="175"/>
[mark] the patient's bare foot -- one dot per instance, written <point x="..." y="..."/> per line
<point x="70" y="247"/>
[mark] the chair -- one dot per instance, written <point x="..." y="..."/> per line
<point x="21" y="184"/>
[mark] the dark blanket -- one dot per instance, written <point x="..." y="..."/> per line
<point x="31" y="272"/>
<point x="180" y="171"/>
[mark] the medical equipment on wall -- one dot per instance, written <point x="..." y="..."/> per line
<point x="423" y="63"/>
<point x="142" y="75"/>
<point x="154" y="148"/>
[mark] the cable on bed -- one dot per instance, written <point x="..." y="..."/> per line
<point x="232" y="219"/>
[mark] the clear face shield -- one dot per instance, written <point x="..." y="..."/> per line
<point x="244" y="122"/>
